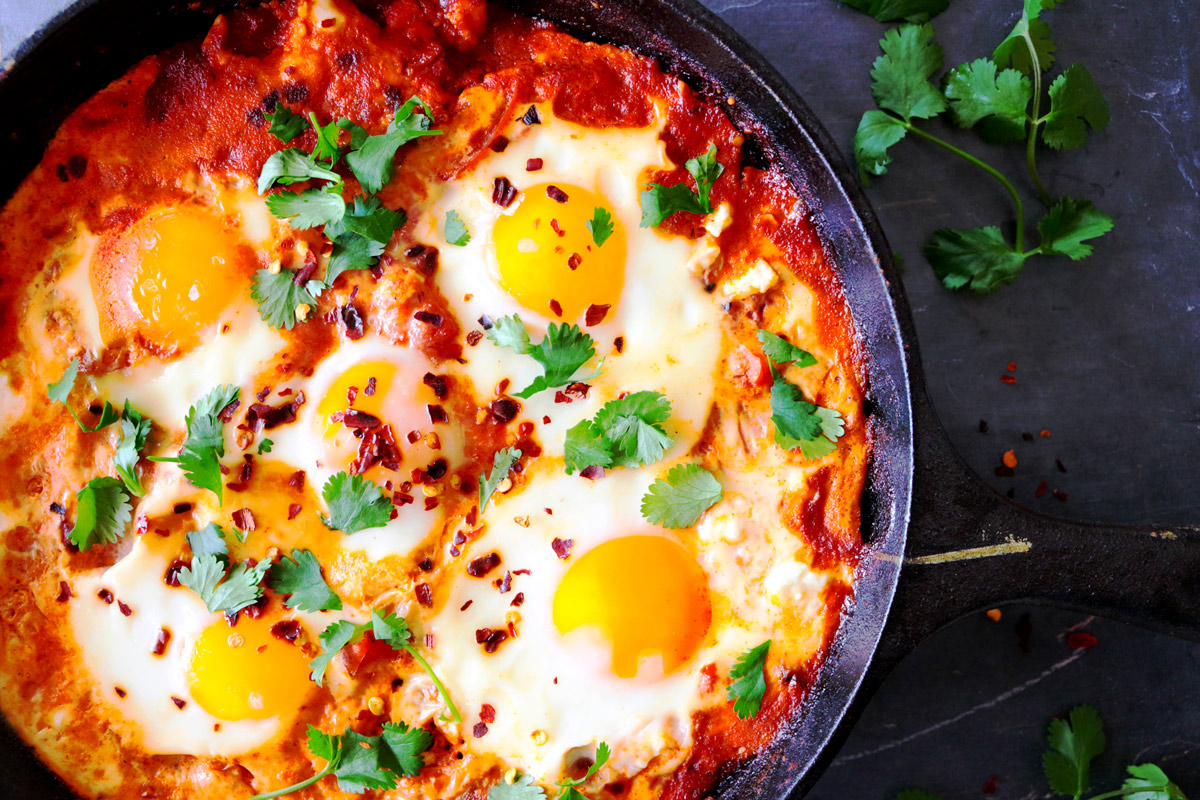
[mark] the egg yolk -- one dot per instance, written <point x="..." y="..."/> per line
<point x="369" y="383"/>
<point x="644" y="594"/>
<point x="189" y="268"/>
<point x="548" y="259"/>
<point x="244" y="672"/>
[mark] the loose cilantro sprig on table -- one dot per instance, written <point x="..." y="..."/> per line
<point x="355" y="503"/>
<point x="223" y="588"/>
<point x="798" y="423"/>
<point x="102" y="513"/>
<point x="362" y="762"/>
<point x="659" y="201"/>
<point x="679" y="500"/>
<point x="626" y="432"/>
<point x="748" y="679"/>
<point x="202" y="451"/>
<point x="300" y="578"/>
<point x="502" y="464"/>
<point x="1075" y="740"/>
<point x="60" y="391"/>
<point x="523" y="787"/>
<point x="390" y="629"/>
<point x="1002" y="98"/>
<point x="561" y="353"/>
<point x="896" y="10"/>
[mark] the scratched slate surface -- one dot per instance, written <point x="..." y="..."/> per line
<point x="1106" y="360"/>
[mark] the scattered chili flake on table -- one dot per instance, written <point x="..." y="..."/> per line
<point x="1010" y="459"/>
<point x="1012" y="366"/>
<point x="1007" y="379"/>
<point x="994" y="614"/>
<point x="1081" y="640"/>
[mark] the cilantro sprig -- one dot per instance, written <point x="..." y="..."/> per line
<point x="748" y="681"/>
<point x="523" y="787"/>
<point x="659" y="201"/>
<point x="221" y="587"/>
<point x="362" y="762"/>
<point x="562" y="352"/>
<point x="896" y="10"/>
<point x="502" y="464"/>
<point x="626" y="432"/>
<point x="392" y="630"/>
<point x="798" y="423"/>
<point x="1002" y="98"/>
<point x="60" y="391"/>
<point x="135" y="429"/>
<point x="600" y="226"/>
<point x="355" y="504"/>
<point x="202" y="451"/>
<point x="680" y="499"/>
<point x="300" y="578"/>
<point x="102" y="513"/>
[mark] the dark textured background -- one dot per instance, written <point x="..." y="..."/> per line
<point x="1106" y="360"/>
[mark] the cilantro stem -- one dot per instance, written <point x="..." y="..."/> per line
<point x="297" y="786"/>
<point x="989" y="169"/>
<point x="1035" y="121"/>
<point x="412" y="651"/>
<point x="1124" y="792"/>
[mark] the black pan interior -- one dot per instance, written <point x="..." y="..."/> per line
<point x="95" y="41"/>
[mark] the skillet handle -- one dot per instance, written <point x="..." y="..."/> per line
<point x="970" y="548"/>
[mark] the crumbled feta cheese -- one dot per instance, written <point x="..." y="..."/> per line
<point x="756" y="280"/>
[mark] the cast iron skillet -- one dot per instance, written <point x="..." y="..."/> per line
<point x="962" y="548"/>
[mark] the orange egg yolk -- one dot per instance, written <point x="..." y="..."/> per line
<point x="246" y="673"/>
<point x="548" y="259"/>
<point x="189" y="268"/>
<point x="645" y="595"/>
<point x="369" y="395"/>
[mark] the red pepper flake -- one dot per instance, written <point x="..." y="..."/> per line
<point x="355" y="419"/>
<point x="1061" y="467"/>
<point x="1010" y="459"/>
<point x="592" y="473"/>
<point x="556" y="307"/>
<point x="490" y="639"/>
<point x="574" y="261"/>
<point x="474" y="338"/>
<point x="487" y="713"/>
<point x="555" y="227"/>
<point x="486" y="322"/>
<point x="1045" y="434"/>
<point x="293" y="511"/>
<point x="179" y="702"/>
<point x="263" y="394"/>
<point x="171" y="577"/>
<point x="429" y="318"/>
<point x="619" y="344"/>
<point x="518" y="601"/>
<point x="438" y="384"/>
<point x="991" y="785"/>
<point x="58" y="508"/>
<point x="1041" y="490"/>
<point x="437" y="414"/>
<point x="505" y="409"/>
<point x="125" y="609"/>
<point x="1081" y="640"/>
<point x="243" y="519"/>
<point x="499" y="144"/>
<point x="595" y="314"/>
<point x="1060" y="495"/>
<point x="562" y="547"/>
<point x="296" y="481"/>
<point x="261" y="415"/>
<point x="560" y="397"/>
<point x="160" y="642"/>
<point x="1007" y="379"/>
<point x="426" y="258"/>
<point x="226" y="414"/>
<point x="64" y="592"/>
<point x="182" y="508"/>
<point x="504" y="584"/>
<point x="121" y="693"/>
<point x="480" y="730"/>
<point x="1012" y="366"/>
<point x="466" y="605"/>
<point x="413" y="436"/>
<point x="533" y="164"/>
<point x="287" y="630"/>
<point x="483" y="565"/>
<point x="556" y="194"/>
<point x="424" y="594"/>
<point x="545" y="420"/>
<point x="437" y="470"/>
<point x="503" y="192"/>
<point x="105" y="595"/>
<point x="352" y="320"/>
<point x="430" y="504"/>
<point x="532" y="117"/>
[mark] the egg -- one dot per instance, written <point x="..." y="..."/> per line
<point x="654" y="325"/>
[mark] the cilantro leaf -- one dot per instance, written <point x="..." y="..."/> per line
<point x="978" y="94"/>
<point x="405" y="745"/>
<point x="309" y="208"/>
<point x="199" y="458"/>
<point x="1074" y="742"/>
<point x="60" y="390"/>
<point x="358" y="134"/>
<point x="368" y="218"/>
<point x="897" y="10"/>
<point x="916" y="794"/>
<point x="362" y="762"/>
<point x="502" y="463"/>
<point x="705" y="169"/>
<point x="877" y="131"/>
<point x="561" y="353"/>
<point x="1075" y="104"/>
<point x="600" y="226"/>
<point x="602" y="754"/>
<point x="135" y="429"/>
<point x="285" y="125"/>
<point x="748" y="681"/>
<point x="208" y="541"/>
<point x="239" y="589"/>
<point x="522" y="788"/>
<point x="799" y="423"/>
<point x="456" y="230"/>
<point x="373" y="158"/>
<point x="510" y="332"/>
<point x="354" y="503"/>
<point x="1014" y="50"/>
<point x="351" y="251"/>
<point x="292" y="165"/>
<point x="102" y="513"/>
<point x="1068" y="225"/>
<point x="278" y="295"/>
<point x="781" y="351"/>
<point x="977" y="258"/>
<point x="633" y="425"/>
<point x="901" y="75"/>
<point x="300" y="577"/>
<point x="336" y="636"/>
<point x="1154" y="783"/>
<point x="679" y="501"/>
<point x="362" y="765"/>
<point x="586" y="446"/>
<point x="327" y="147"/>
<point x="265" y="446"/>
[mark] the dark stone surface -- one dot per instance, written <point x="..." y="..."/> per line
<point x="1106" y="360"/>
